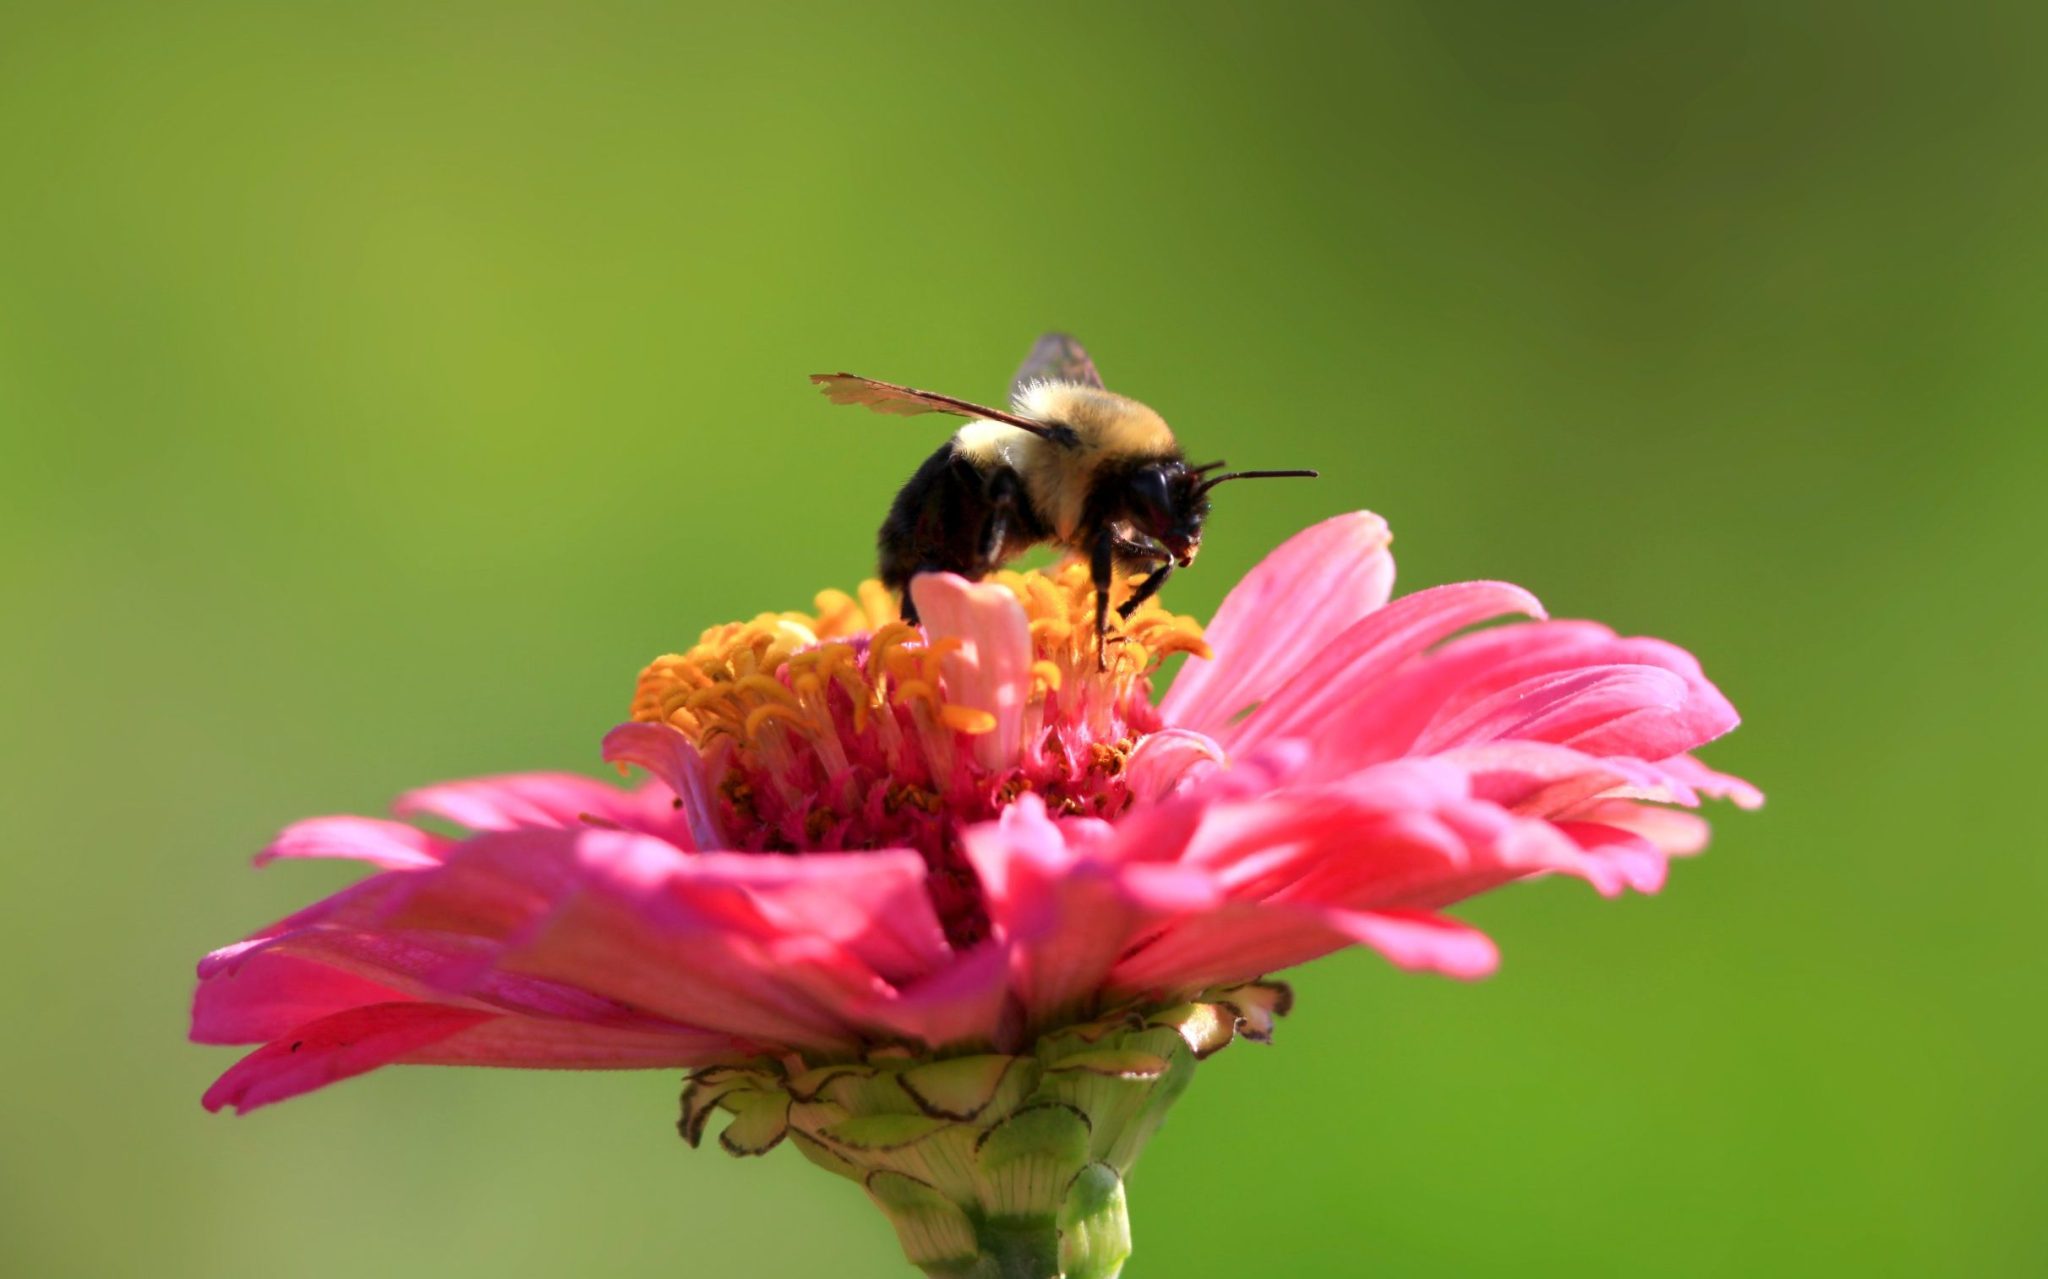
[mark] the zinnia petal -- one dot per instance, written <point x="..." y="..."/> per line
<point x="1329" y="691"/>
<point x="388" y="845"/>
<point x="669" y="756"/>
<point x="1309" y="590"/>
<point x="1243" y="940"/>
<point x="334" y="1048"/>
<point x="990" y="669"/>
<point x="528" y="801"/>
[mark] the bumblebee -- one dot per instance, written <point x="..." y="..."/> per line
<point x="1095" y="473"/>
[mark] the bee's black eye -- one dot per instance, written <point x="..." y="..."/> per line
<point x="1150" y="495"/>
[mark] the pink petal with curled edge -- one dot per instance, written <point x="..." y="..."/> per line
<point x="666" y="754"/>
<point x="389" y="845"/>
<point x="1285" y="611"/>
<point x="334" y="1048"/>
<point x="1247" y="940"/>
<point x="991" y="671"/>
<point x="1332" y="689"/>
<point x="1165" y="761"/>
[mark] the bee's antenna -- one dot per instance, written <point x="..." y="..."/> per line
<point x="1227" y="476"/>
<point x="1207" y="467"/>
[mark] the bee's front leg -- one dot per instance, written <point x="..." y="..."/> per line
<point x="1140" y="551"/>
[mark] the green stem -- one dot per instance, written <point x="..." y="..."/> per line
<point x="1018" y="1249"/>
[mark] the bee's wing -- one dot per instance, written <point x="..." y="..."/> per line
<point x="906" y="401"/>
<point x="1056" y="357"/>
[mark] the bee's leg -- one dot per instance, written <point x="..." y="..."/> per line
<point x="1101" y="568"/>
<point x="1142" y="552"/>
<point x="1146" y="589"/>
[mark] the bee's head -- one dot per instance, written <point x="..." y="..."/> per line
<point x="1168" y="503"/>
<point x="1169" y="500"/>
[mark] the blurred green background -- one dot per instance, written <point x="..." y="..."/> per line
<point x="380" y="385"/>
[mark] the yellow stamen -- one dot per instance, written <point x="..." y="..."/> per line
<point x="971" y="720"/>
<point x="778" y="673"/>
<point x="911" y="690"/>
<point x="760" y="715"/>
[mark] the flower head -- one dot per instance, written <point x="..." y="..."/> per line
<point x="954" y="907"/>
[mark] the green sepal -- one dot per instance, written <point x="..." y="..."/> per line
<point x="958" y="1087"/>
<point x="760" y="1121"/>
<point x="992" y="1166"/>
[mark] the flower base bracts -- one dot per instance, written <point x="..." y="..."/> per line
<point x="991" y="1165"/>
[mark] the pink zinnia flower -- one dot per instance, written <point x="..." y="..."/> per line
<point x="956" y="911"/>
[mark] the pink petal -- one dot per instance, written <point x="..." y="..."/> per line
<point x="1640" y="863"/>
<point x="738" y="943"/>
<point x="517" y="800"/>
<point x="360" y="1039"/>
<point x="491" y="886"/>
<point x="336" y="1048"/>
<point x="1285" y="611"/>
<point x="666" y="754"/>
<point x="1386" y="724"/>
<point x="1645" y="712"/>
<point x="991" y="670"/>
<point x="390" y="845"/>
<point x="1708" y="782"/>
<point x="1248" y="940"/>
<point x="964" y="1003"/>
<point x="543" y="1043"/>
<point x="263" y="1001"/>
<point x="1164" y="761"/>
<point x="1541" y="779"/>
<point x="699" y="977"/>
<point x="1330" y="691"/>
<point x="1672" y="831"/>
<point x="406" y="965"/>
<point x="872" y="902"/>
<point x="1064" y="912"/>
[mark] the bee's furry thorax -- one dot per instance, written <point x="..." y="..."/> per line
<point x="1108" y="428"/>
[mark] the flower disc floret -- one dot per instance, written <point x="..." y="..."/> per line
<point x="849" y="728"/>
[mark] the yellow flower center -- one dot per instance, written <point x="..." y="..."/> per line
<point x="759" y="683"/>
<point x="838" y="729"/>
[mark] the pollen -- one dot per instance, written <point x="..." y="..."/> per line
<point x="837" y="728"/>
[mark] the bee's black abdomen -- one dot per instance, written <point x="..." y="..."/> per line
<point x="954" y="516"/>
